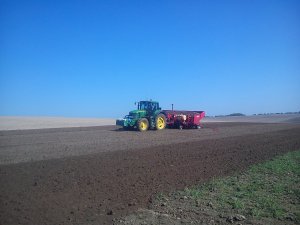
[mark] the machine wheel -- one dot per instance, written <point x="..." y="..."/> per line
<point x="143" y="124"/>
<point x="160" y="122"/>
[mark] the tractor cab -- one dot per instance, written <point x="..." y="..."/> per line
<point x="148" y="106"/>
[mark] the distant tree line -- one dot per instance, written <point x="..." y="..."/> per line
<point x="261" y="114"/>
<point x="258" y="114"/>
<point x="232" y="114"/>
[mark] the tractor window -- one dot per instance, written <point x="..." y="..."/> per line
<point x="143" y="106"/>
<point x="154" y="106"/>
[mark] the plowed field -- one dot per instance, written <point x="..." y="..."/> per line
<point x="93" y="175"/>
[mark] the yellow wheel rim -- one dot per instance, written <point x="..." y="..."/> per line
<point x="143" y="125"/>
<point x="160" y="123"/>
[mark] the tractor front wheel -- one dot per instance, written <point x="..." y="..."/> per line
<point x="160" y="122"/>
<point x="143" y="124"/>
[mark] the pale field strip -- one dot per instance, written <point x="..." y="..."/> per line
<point x="25" y="123"/>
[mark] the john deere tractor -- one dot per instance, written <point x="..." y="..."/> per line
<point x="147" y="116"/>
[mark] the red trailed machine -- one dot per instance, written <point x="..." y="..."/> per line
<point x="183" y="119"/>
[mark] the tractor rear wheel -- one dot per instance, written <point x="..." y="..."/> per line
<point x="160" y="122"/>
<point x="143" y="124"/>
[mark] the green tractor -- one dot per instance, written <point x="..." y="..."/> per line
<point x="147" y="116"/>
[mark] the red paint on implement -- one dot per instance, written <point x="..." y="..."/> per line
<point x="186" y="119"/>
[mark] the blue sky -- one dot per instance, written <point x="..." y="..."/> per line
<point x="96" y="58"/>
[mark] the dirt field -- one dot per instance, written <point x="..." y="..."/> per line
<point x="43" y="144"/>
<point x="94" y="175"/>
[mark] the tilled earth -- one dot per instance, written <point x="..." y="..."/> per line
<point x="94" y="175"/>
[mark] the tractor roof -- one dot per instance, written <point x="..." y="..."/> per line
<point x="150" y="101"/>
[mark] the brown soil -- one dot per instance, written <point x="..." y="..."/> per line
<point x="96" y="188"/>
